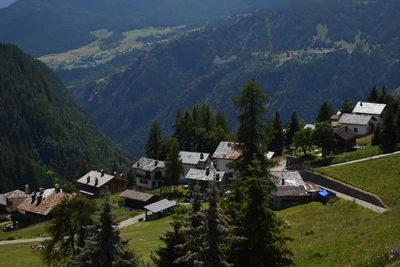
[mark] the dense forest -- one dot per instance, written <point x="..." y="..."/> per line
<point x="303" y="53"/>
<point x="69" y="23"/>
<point x="44" y="135"/>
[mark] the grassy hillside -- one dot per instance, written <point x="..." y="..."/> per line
<point x="301" y="49"/>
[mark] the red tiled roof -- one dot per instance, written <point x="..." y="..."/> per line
<point x="45" y="206"/>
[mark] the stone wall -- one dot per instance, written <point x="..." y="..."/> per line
<point x="343" y="188"/>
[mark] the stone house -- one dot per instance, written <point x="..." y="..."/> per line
<point x="193" y="160"/>
<point x="149" y="173"/>
<point x="92" y="183"/>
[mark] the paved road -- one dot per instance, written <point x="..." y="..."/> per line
<point x="359" y="160"/>
<point x="357" y="201"/>
<point x="122" y="224"/>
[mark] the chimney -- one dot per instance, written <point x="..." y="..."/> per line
<point x="201" y="156"/>
<point x="229" y="144"/>
<point x="33" y="197"/>
<point x="155" y="163"/>
<point x="138" y="164"/>
<point x="207" y="171"/>
<point x="283" y="181"/>
<point x="115" y="173"/>
<point x="102" y="172"/>
<point x="217" y="177"/>
<point x="27" y="189"/>
<point x="88" y="179"/>
<point x="96" y="181"/>
<point x="360" y="103"/>
<point x="346" y="128"/>
<point x="57" y="188"/>
<point x="121" y="174"/>
<point x="39" y="199"/>
<point x="41" y="190"/>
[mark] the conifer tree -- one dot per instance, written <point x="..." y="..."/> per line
<point x="347" y="106"/>
<point x="131" y="178"/>
<point x="388" y="136"/>
<point x="373" y="95"/>
<point x="325" y="112"/>
<point x="256" y="237"/>
<point x="293" y="128"/>
<point x="103" y="246"/>
<point x="324" y="137"/>
<point x="222" y="122"/>
<point x="376" y="138"/>
<point x="173" y="164"/>
<point x="208" y="117"/>
<point x="154" y="142"/>
<point x="185" y="131"/>
<point x="83" y="169"/>
<point x="278" y="139"/>
<point x="251" y="131"/>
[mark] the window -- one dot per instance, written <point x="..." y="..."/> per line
<point x="144" y="181"/>
<point x="355" y="130"/>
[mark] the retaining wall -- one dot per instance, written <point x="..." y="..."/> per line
<point x="341" y="187"/>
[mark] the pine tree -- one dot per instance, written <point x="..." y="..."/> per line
<point x="256" y="237"/>
<point x="167" y="255"/>
<point x="376" y="138"/>
<point x="67" y="230"/>
<point x="222" y="122"/>
<point x="388" y="136"/>
<point x="131" y="178"/>
<point x="347" y="106"/>
<point x="325" y="112"/>
<point x="154" y="141"/>
<point x="83" y="169"/>
<point x="278" y="139"/>
<point x="373" y="95"/>
<point x="251" y="131"/>
<point x="173" y="164"/>
<point x="293" y="128"/>
<point x="103" y="246"/>
<point x="185" y="131"/>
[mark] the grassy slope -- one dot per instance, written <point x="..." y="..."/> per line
<point x="19" y="255"/>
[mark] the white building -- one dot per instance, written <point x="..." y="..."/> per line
<point x="224" y="155"/>
<point x="373" y="109"/>
<point x="193" y="160"/>
<point x="149" y="173"/>
<point x="360" y="124"/>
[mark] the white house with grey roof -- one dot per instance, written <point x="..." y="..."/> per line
<point x="193" y="160"/>
<point x="149" y="173"/>
<point x="360" y="124"/>
<point x="374" y="109"/>
<point x="225" y="153"/>
<point x="205" y="177"/>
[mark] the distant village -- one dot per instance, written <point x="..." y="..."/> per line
<point x="293" y="185"/>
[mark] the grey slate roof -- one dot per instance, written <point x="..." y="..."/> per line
<point x="226" y="150"/>
<point x="136" y="195"/>
<point x="369" y="108"/>
<point x="356" y="119"/>
<point x="345" y="132"/>
<point x="11" y="195"/>
<point x="92" y="176"/>
<point x="147" y="164"/>
<point x="201" y="175"/>
<point x="293" y="185"/>
<point x="193" y="158"/>
<point x="160" y="205"/>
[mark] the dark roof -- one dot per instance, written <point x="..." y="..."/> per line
<point x="49" y="201"/>
<point x="136" y="195"/>
<point x="160" y="205"/>
<point x="334" y="117"/>
<point x="148" y="164"/>
<point x="345" y="132"/>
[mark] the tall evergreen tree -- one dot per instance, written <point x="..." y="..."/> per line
<point x="222" y="122"/>
<point x="83" y="169"/>
<point x="185" y="131"/>
<point x="278" y="139"/>
<point x="154" y="142"/>
<point x="373" y="95"/>
<point x="208" y="118"/>
<point x="388" y="136"/>
<point x="173" y="164"/>
<point x="256" y="237"/>
<point x="103" y="247"/>
<point x="292" y="129"/>
<point x="325" y="112"/>
<point x="251" y="131"/>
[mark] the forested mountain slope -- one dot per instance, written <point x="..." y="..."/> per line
<point x="303" y="53"/>
<point x="44" y="135"/>
<point x="42" y="27"/>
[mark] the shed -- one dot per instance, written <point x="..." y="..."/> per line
<point x="137" y="199"/>
<point x="346" y="139"/>
<point x="159" y="209"/>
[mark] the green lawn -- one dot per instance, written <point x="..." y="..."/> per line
<point x="36" y="230"/>
<point x="380" y="176"/>
<point x="19" y="255"/>
<point x="144" y="237"/>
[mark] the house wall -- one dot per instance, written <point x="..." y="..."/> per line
<point x="222" y="165"/>
<point x="12" y="204"/>
<point x="116" y="185"/>
<point x="359" y="129"/>
<point x="186" y="168"/>
<point x="147" y="180"/>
